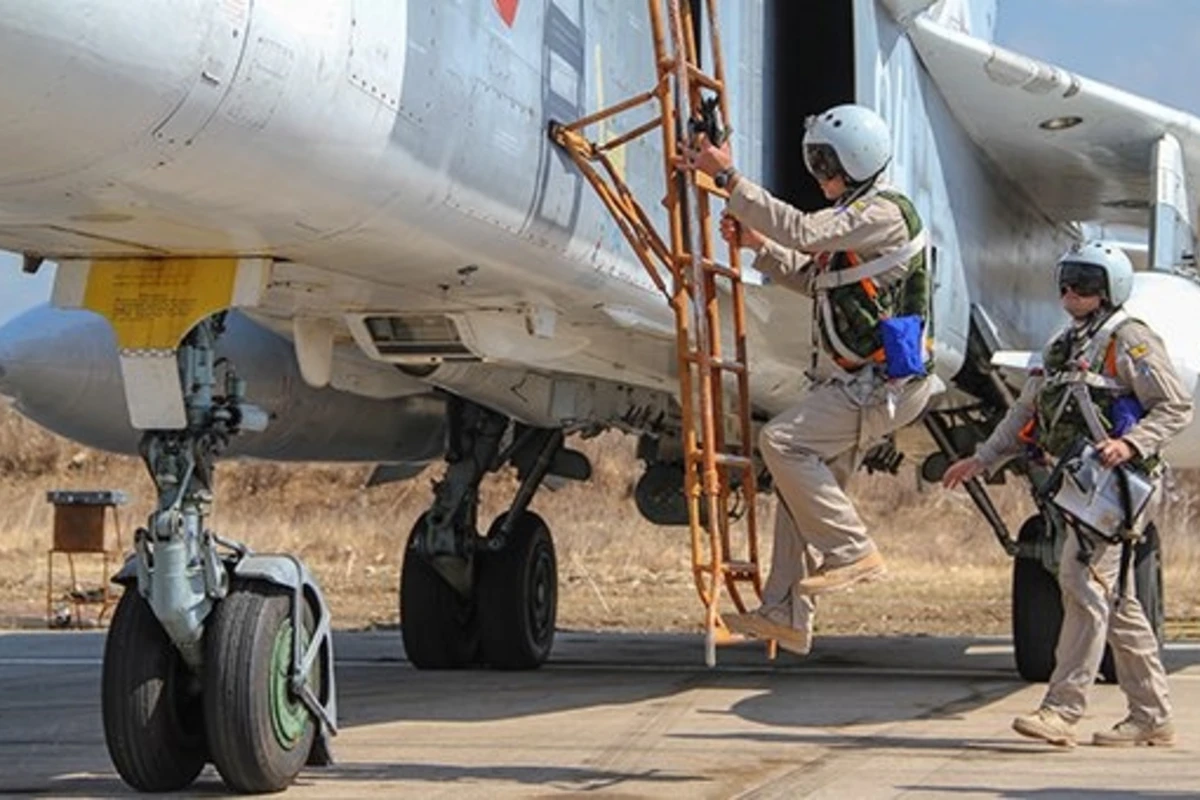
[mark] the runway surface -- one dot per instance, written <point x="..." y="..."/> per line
<point x="625" y="715"/>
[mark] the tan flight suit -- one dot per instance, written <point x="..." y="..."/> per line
<point x="1091" y="612"/>
<point x="814" y="447"/>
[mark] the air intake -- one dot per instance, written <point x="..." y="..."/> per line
<point x="420" y="337"/>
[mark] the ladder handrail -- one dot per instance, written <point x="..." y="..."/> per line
<point x="687" y="254"/>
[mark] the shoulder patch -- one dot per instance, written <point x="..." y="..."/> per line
<point x="1139" y="351"/>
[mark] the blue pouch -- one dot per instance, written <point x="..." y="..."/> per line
<point x="1126" y="412"/>
<point x="903" y="346"/>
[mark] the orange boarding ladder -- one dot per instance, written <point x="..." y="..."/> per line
<point x="720" y="481"/>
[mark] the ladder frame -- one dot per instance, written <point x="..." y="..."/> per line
<point x="694" y="295"/>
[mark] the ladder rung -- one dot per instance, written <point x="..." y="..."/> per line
<point x="707" y="184"/>
<point x="741" y="570"/>
<point x="704" y="79"/>
<point x="720" y="269"/>
<point x="718" y="363"/>
<point x="725" y="271"/>
<point x="730" y="460"/>
<point x="726" y="459"/>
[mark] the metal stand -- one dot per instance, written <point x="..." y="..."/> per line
<point x="80" y="527"/>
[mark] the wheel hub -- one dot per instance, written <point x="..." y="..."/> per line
<point x="288" y="714"/>
<point x="542" y="596"/>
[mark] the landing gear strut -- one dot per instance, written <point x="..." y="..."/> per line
<point x="214" y="653"/>
<point x="468" y="599"/>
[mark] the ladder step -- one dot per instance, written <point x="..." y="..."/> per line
<point x="720" y="269"/>
<point x="730" y="460"/>
<point x="741" y="570"/>
<point x="708" y="185"/>
<point x="723" y="270"/>
<point x="703" y="78"/>
<point x="726" y="459"/>
<point x="718" y="363"/>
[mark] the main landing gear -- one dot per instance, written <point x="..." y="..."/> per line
<point x="1037" y="611"/>
<point x="467" y="599"/>
<point x="214" y="653"/>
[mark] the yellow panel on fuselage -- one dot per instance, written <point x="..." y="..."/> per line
<point x="152" y="304"/>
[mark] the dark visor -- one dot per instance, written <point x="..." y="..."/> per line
<point x="1086" y="280"/>
<point x="822" y="161"/>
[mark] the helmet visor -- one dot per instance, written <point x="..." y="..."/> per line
<point x="822" y="161"/>
<point x="1085" y="280"/>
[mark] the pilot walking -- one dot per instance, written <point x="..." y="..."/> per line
<point x="862" y="260"/>
<point x="1140" y="403"/>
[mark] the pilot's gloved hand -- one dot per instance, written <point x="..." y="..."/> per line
<point x="740" y="235"/>
<point x="706" y="158"/>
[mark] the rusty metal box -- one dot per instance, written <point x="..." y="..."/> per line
<point x="79" y="519"/>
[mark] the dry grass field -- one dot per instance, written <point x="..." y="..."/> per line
<point x="946" y="573"/>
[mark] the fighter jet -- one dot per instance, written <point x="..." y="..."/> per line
<point x="338" y="230"/>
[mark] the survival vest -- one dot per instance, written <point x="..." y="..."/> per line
<point x="852" y="297"/>
<point x="1090" y="358"/>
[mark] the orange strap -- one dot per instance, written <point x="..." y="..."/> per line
<point x="872" y="291"/>
<point x="868" y="284"/>
<point x="1110" y="358"/>
<point x="879" y="357"/>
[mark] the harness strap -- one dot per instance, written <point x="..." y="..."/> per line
<point x="1092" y="379"/>
<point x="873" y="268"/>
<point x="843" y="355"/>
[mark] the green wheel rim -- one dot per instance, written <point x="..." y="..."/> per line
<point x="288" y="715"/>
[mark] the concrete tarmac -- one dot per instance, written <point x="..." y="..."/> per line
<point x="623" y="715"/>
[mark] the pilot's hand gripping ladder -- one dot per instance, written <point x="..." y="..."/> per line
<point x="714" y="468"/>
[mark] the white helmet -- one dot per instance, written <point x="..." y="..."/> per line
<point x="856" y="137"/>
<point x="1099" y="267"/>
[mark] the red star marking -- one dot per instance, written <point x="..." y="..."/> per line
<point x="508" y="10"/>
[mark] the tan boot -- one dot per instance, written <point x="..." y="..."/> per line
<point x="1048" y="725"/>
<point x="771" y="624"/>
<point x="1130" y="733"/>
<point x="830" y="579"/>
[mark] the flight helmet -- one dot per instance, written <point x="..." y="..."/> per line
<point x="850" y="140"/>
<point x="1096" y="268"/>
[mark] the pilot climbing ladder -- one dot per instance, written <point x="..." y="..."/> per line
<point x="720" y="481"/>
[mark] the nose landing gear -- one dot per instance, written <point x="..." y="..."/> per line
<point x="214" y="653"/>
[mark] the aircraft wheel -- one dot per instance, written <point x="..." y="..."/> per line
<point x="151" y="703"/>
<point x="1037" y="610"/>
<point x="437" y="623"/>
<point x="259" y="734"/>
<point x="517" y="591"/>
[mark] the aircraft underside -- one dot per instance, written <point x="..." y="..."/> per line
<point x="338" y="230"/>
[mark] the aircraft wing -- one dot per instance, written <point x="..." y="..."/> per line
<point x="1082" y="150"/>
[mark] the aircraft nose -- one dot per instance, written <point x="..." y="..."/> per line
<point x="89" y="79"/>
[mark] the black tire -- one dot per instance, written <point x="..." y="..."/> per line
<point x="517" y="591"/>
<point x="1037" y="610"/>
<point x="151" y="704"/>
<point x="437" y="624"/>
<point x="1148" y="584"/>
<point x="258" y="734"/>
